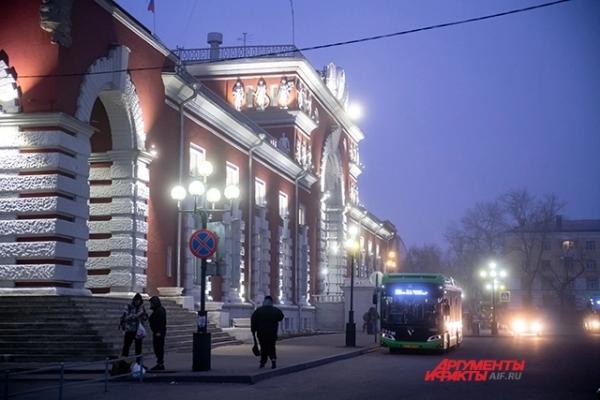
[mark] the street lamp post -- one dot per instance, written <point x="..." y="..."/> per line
<point x="492" y="273"/>
<point x="351" y="245"/>
<point x="202" y="338"/>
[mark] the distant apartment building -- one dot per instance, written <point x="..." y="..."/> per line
<point x="563" y="263"/>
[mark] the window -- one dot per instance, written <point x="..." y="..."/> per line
<point x="591" y="283"/>
<point x="546" y="245"/>
<point x="590" y="245"/>
<point x="260" y="192"/>
<point x="197" y="155"/>
<point x="232" y="175"/>
<point x="283" y="205"/>
<point x="301" y="215"/>
<point x="568" y="245"/>
<point x="590" y="265"/>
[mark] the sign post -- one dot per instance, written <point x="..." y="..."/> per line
<point x="203" y="244"/>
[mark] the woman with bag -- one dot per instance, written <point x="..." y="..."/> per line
<point x="132" y="323"/>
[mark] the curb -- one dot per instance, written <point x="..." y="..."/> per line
<point x="254" y="378"/>
<point x="180" y="376"/>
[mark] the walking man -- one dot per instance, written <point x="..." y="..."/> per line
<point x="264" y="324"/>
<point x="158" y="325"/>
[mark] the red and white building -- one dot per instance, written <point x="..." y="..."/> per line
<point x="99" y="120"/>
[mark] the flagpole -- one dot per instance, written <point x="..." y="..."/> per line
<point x="154" y="18"/>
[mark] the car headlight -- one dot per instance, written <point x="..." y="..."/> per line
<point x="519" y="326"/>
<point x="536" y="326"/>
<point x="595" y="323"/>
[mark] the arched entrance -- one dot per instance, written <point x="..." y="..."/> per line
<point x="118" y="178"/>
<point x="332" y="262"/>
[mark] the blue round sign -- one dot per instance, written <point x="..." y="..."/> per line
<point x="203" y="243"/>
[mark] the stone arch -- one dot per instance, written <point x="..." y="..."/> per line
<point x="10" y="92"/>
<point x="332" y="262"/>
<point x="107" y="79"/>
<point x="118" y="178"/>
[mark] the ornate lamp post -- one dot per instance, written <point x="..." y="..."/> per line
<point x="492" y="275"/>
<point x="202" y="197"/>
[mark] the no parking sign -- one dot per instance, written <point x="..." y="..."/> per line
<point x="203" y="243"/>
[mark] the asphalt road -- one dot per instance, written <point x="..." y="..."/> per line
<point x="557" y="367"/>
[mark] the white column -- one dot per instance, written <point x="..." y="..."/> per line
<point x="43" y="203"/>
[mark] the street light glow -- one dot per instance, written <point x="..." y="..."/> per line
<point x="392" y="254"/>
<point x="483" y="274"/>
<point x="351" y="244"/>
<point x="493" y="265"/>
<point x="353" y="230"/>
<point x="488" y="286"/>
<point x="213" y="195"/>
<point x="178" y="193"/>
<point x="503" y="274"/>
<point x="232" y="192"/>
<point x="492" y="273"/>
<point x="355" y="111"/>
<point x="205" y="168"/>
<point x="196" y="188"/>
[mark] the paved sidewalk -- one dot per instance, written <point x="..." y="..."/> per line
<point x="236" y="364"/>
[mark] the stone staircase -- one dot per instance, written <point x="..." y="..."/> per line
<point x="67" y="328"/>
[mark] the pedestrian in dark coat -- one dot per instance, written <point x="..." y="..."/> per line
<point x="264" y="324"/>
<point x="158" y="325"/>
<point x="132" y="323"/>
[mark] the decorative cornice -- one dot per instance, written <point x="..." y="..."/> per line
<point x="215" y="112"/>
<point x="272" y="117"/>
<point x="35" y="120"/>
<point x="265" y="66"/>
<point x="371" y="222"/>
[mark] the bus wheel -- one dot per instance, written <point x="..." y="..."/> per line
<point x="393" y="350"/>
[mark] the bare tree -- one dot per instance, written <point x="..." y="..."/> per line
<point x="531" y="220"/>
<point x="427" y="258"/>
<point x="564" y="273"/>
<point x="478" y="238"/>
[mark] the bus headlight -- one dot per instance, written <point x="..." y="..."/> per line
<point x="388" y="334"/>
<point x="434" y="338"/>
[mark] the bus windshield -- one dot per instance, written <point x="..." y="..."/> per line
<point x="408" y="305"/>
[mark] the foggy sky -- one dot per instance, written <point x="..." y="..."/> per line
<point x="452" y="116"/>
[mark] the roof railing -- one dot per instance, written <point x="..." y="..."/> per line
<point x="209" y="54"/>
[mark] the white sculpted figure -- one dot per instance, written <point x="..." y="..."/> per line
<point x="283" y="143"/>
<point x="261" y="98"/>
<point x="283" y="94"/>
<point x="239" y="96"/>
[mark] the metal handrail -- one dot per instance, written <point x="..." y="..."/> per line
<point x="61" y="385"/>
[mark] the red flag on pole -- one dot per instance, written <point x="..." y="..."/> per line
<point x="151" y="6"/>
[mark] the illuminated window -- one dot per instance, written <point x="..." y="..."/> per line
<point x="260" y="192"/>
<point x="197" y="155"/>
<point x="301" y="215"/>
<point x="568" y="245"/>
<point x="283" y="205"/>
<point x="232" y="174"/>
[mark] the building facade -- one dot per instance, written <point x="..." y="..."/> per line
<point x="565" y="258"/>
<point x="99" y="121"/>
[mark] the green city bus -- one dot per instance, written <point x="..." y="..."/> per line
<point x="420" y="311"/>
